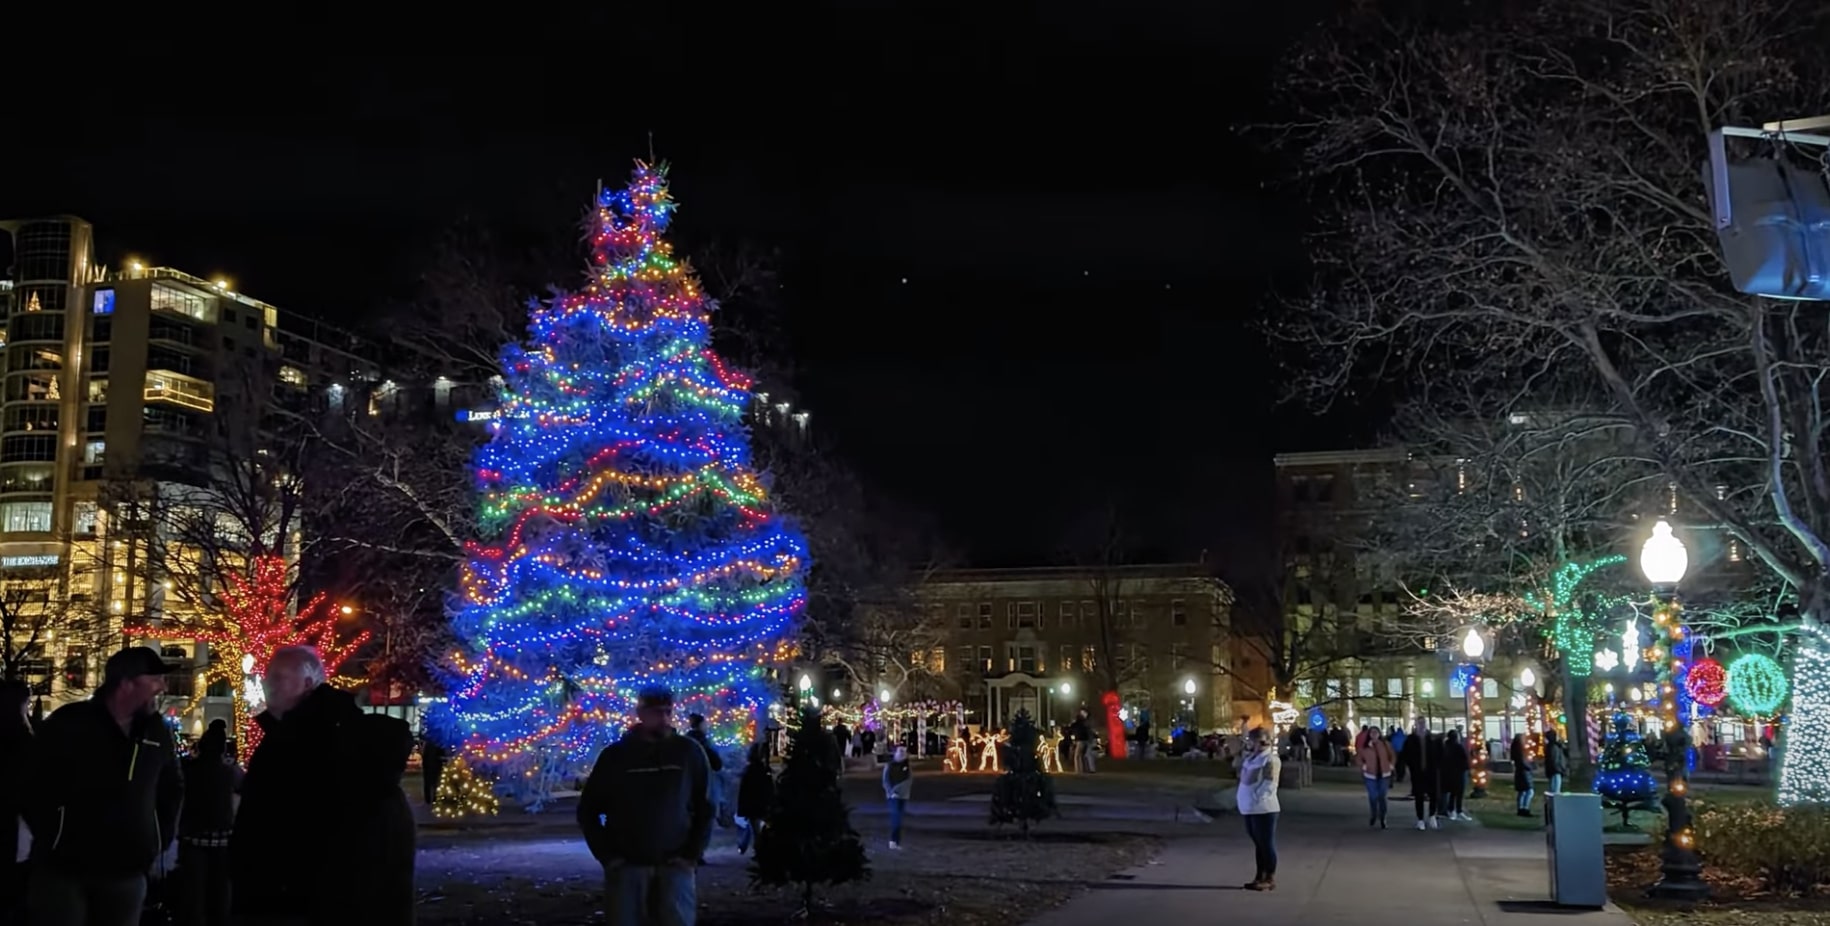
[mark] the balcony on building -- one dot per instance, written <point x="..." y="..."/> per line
<point x="179" y="389"/>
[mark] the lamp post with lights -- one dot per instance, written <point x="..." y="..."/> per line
<point x="1474" y="651"/>
<point x="1664" y="560"/>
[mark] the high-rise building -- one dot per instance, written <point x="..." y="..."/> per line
<point x="136" y="376"/>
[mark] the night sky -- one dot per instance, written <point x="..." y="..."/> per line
<point x="1085" y="240"/>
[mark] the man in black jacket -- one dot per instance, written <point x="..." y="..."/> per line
<point x="324" y="833"/>
<point x="102" y="798"/>
<point x="647" y="816"/>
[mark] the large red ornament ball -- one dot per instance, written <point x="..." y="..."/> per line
<point x="1707" y="682"/>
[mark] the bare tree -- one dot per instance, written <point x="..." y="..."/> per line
<point x="1515" y="199"/>
<point x="37" y="618"/>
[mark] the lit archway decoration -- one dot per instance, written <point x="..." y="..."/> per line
<point x="1707" y="682"/>
<point x="1756" y="685"/>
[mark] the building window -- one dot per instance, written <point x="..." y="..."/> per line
<point x="964" y="613"/>
<point x="83" y="521"/>
<point x="1026" y="660"/>
<point x="1026" y="614"/>
<point x="1066" y="614"/>
<point x="1365" y="689"/>
<point x="965" y="659"/>
<point x="1178" y="613"/>
<point x="984" y="659"/>
<point x="104" y="302"/>
<point x="937" y="660"/>
<point x="293" y="376"/>
<point x="1140" y="615"/>
<point x="984" y="615"/>
<point x="1332" y="687"/>
<point x="1088" y="660"/>
<point x="176" y="300"/>
<point x="25" y="516"/>
<point x="1178" y="656"/>
<point x="1118" y="613"/>
<point x="1490" y="687"/>
<point x="1088" y="616"/>
<point x="98" y="390"/>
<point x="1394" y="688"/>
<point x="76" y="667"/>
<point x="28" y="448"/>
<point x="94" y="452"/>
<point x="252" y="323"/>
<point x="1067" y="658"/>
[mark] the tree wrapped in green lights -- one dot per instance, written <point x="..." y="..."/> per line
<point x="1575" y="623"/>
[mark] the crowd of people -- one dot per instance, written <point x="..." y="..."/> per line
<point x="108" y="808"/>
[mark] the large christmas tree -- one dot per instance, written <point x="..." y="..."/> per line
<point x="628" y="542"/>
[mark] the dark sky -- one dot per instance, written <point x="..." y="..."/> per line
<point x="1084" y="237"/>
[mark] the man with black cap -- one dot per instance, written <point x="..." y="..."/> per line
<point x="102" y="798"/>
<point x="647" y="815"/>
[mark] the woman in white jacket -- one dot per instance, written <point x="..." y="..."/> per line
<point x="1259" y="769"/>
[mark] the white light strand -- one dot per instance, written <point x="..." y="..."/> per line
<point x="1804" y="771"/>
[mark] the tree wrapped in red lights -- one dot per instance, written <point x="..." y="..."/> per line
<point x="256" y="621"/>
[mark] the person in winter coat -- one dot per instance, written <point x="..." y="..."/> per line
<point x="695" y="729"/>
<point x="15" y="756"/>
<point x="1521" y="773"/>
<point x="755" y="792"/>
<point x="1454" y="771"/>
<point x="1556" y="760"/>
<point x="324" y="831"/>
<point x="1422" y="756"/>
<point x="102" y="797"/>
<point x="898" y="779"/>
<point x="1377" y="765"/>
<point x="211" y="779"/>
<point x="431" y="767"/>
<point x="1081" y="732"/>
<point x="1259" y="771"/>
<point x="646" y="812"/>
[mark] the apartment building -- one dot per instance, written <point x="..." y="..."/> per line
<point x="1039" y="639"/>
<point x="1336" y="597"/>
<point x="130" y="376"/>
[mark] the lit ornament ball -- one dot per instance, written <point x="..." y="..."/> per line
<point x="1756" y="685"/>
<point x="1707" y="682"/>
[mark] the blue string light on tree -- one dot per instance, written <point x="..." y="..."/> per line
<point x="1756" y="685"/>
<point x="626" y="540"/>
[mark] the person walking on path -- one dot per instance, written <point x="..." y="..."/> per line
<point x="15" y="762"/>
<point x="1422" y="756"/>
<point x="646" y="812"/>
<point x="102" y="798"/>
<point x="1082" y="734"/>
<point x="1521" y="773"/>
<point x="754" y="792"/>
<point x="324" y="834"/>
<point x="898" y="779"/>
<point x="1377" y="765"/>
<point x="1556" y="760"/>
<point x="211" y="779"/>
<point x="1257" y="800"/>
<point x="695" y="729"/>
<point x="1454" y="772"/>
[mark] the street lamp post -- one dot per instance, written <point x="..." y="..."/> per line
<point x="1474" y="649"/>
<point x="1664" y="561"/>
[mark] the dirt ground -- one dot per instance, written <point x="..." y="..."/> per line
<point x="956" y="871"/>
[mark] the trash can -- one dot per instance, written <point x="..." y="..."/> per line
<point x="1578" y="874"/>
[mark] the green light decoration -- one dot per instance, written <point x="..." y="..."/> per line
<point x="1756" y="685"/>
<point x="1573" y="628"/>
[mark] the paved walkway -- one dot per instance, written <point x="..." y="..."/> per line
<point x="1332" y="868"/>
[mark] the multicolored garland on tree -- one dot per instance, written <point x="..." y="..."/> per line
<point x="630" y="544"/>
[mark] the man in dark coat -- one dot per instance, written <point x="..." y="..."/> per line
<point x="15" y="755"/>
<point x="102" y="798"/>
<point x="646" y="813"/>
<point x="1422" y="755"/>
<point x="324" y="834"/>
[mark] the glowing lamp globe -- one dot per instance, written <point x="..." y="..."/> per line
<point x="1189" y="687"/>
<point x="1663" y="558"/>
<point x="1473" y="645"/>
<point x="1527" y="678"/>
<point x="806" y="683"/>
